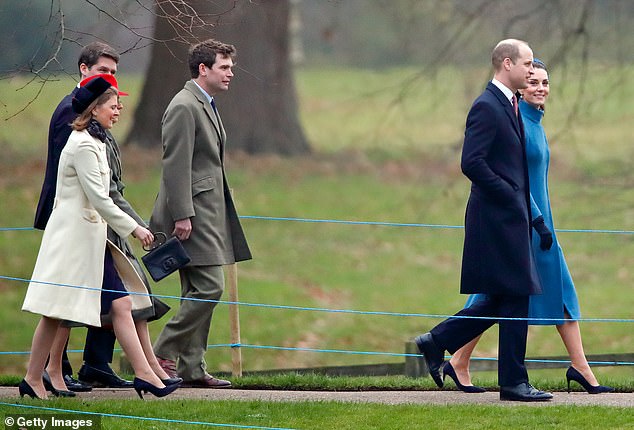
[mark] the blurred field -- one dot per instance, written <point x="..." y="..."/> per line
<point x="379" y="157"/>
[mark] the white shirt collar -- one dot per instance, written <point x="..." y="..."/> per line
<point x="204" y="92"/>
<point x="506" y="90"/>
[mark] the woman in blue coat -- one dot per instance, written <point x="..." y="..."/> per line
<point x="558" y="304"/>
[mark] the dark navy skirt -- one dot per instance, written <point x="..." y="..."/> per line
<point x="111" y="281"/>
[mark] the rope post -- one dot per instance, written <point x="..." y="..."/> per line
<point x="234" y="317"/>
<point x="234" y="320"/>
<point x="415" y="367"/>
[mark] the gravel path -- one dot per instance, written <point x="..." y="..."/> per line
<point x="386" y="397"/>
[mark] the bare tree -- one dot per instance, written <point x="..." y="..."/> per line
<point x="261" y="110"/>
<point x="166" y="72"/>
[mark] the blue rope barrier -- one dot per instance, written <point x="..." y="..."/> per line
<point x="316" y="309"/>
<point x="568" y="230"/>
<point x="375" y="223"/>
<point x="336" y="221"/>
<point x="140" y="418"/>
<point x="346" y="311"/>
<point x="396" y="354"/>
<point x="419" y="225"/>
<point x="344" y="351"/>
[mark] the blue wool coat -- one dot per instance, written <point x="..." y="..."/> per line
<point x="558" y="291"/>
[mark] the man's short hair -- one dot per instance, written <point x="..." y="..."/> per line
<point x="205" y="52"/>
<point x="92" y="52"/>
<point x="508" y="48"/>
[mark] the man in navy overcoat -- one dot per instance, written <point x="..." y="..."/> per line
<point x="497" y="258"/>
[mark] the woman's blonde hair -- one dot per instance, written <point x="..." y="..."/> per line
<point x="81" y="122"/>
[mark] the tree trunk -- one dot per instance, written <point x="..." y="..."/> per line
<point x="165" y="76"/>
<point x="260" y="111"/>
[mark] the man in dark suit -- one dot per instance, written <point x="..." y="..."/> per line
<point x="96" y="58"/>
<point x="195" y="205"/>
<point x="497" y="258"/>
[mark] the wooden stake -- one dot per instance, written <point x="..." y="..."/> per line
<point x="234" y="320"/>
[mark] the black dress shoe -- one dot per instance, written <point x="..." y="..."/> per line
<point x="207" y="381"/>
<point x="102" y="378"/>
<point x="54" y="391"/>
<point x="77" y="386"/>
<point x="524" y="392"/>
<point x="172" y="381"/>
<point x="434" y="356"/>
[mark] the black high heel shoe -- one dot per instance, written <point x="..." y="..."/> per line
<point x="573" y="374"/>
<point x="143" y="386"/>
<point x="26" y="390"/>
<point x="448" y="370"/>
<point x="54" y="391"/>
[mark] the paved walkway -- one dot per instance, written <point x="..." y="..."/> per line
<point x="386" y="397"/>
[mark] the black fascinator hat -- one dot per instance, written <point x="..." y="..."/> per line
<point x="88" y="93"/>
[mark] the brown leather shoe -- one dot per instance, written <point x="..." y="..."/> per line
<point x="207" y="381"/>
<point x="169" y="366"/>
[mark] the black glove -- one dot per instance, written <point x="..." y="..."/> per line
<point x="545" y="235"/>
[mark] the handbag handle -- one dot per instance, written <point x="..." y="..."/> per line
<point x="157" y="242"/>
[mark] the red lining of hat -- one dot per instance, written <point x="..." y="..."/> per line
<point x="108" y="78"/>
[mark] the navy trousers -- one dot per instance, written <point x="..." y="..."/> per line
<point x="453" y="333"/>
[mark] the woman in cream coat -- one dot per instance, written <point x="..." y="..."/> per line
<point x="76" y="233"/>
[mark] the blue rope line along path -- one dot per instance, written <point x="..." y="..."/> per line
<point x="375" y="223"/>
<point x="7" y="394"/>
<point x="417" y="225"/>
<point x="302" y="308"/>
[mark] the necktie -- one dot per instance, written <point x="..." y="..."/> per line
<point x="213" y="107"/>
<point x="220" y="131"/>
<point x="514" y="103"/>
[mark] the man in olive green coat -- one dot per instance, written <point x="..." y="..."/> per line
<point x="195" y="205"/>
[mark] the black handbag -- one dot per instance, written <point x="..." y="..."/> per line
<point x="164" y="257"/>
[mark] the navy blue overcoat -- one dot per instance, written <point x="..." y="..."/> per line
<point x="58" y="132"/>
<point x="497" y="257"/>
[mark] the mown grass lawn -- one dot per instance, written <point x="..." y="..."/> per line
<point x="134" y="414"/>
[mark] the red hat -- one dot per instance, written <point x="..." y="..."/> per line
<point x="108" y="78"/>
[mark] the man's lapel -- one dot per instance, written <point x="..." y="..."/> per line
<point x="215" y="119"/>
<point x="508" y="108"/>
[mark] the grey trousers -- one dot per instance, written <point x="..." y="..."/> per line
<point x="184" y="337"/>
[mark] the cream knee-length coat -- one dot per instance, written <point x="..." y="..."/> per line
<point x="74" y="241"/>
